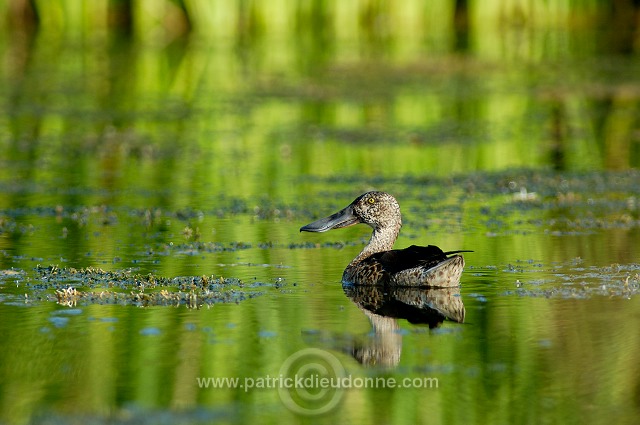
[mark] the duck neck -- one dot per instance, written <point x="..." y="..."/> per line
<point x="382" y="239"/>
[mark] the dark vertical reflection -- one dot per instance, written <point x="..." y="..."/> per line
<point x="121" y="16"/>
<point x="615" y="121"/>
<point x="558" y="129"/>
<point x="22" y="16"/>
<point x="614" y="110"/>
<point x="621" y="24"/>
<point x="461" y="26"/>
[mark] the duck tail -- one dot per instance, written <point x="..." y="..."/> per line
<point x="456" y="252"/>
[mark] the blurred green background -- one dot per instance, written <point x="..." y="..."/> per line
<point x="195" y="137"/>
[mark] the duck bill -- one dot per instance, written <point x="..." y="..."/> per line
<point x="342" y="218"/>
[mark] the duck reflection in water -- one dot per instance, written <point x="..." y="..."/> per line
<point x="378" y="263"/>
<point x="383" y="306"/>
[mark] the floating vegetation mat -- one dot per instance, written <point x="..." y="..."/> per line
<point x="576" y="281"/>
<point x="69" y="286"/>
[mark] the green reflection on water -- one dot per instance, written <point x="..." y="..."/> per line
<point x="515" y="135"/>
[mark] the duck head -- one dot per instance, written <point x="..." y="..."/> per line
<point x="377" y="209"/>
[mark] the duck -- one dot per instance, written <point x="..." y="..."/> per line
<point x="378" y="263"/>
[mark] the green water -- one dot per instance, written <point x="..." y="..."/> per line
<point x="203" y="155"/>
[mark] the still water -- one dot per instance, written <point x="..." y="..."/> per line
<point x="176" y="176"/>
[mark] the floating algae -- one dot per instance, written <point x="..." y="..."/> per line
<point x="576" y="281"/>
<point x="96" y="286"/>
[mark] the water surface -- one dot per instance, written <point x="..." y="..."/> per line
<point x="203" y="157"/>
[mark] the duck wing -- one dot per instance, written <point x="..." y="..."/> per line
<point x="415" y="256"/>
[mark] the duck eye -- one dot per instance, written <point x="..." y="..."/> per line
<point x="371" y="200"/>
